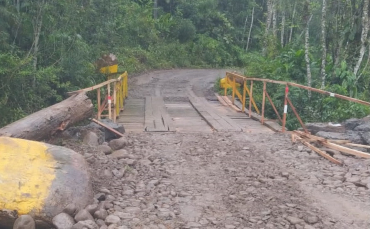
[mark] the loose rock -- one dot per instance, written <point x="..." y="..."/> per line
<point x="112" y="219"/>
<point x="91" y="139"/>
<point x="63" y="221"/>
<point x="86" y="224"/>
<point x="83" y="215"/>
<point x="24" y="222"/>
<point x="117" y="144"/>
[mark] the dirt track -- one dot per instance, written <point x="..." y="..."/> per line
<point x="226" y="180"/>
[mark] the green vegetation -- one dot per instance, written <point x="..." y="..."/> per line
<point x="48" y="47"/>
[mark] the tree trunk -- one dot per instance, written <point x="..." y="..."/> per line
<point x="274" y="15"/>
<point x="291" y="26"/>
<point x="307" y="58"/>
<point x="155" y="9"/>
<point x="365" y="29"/>
<point x="250" y="30"/>
<point x="323" y="44"/>
<point x="245" y="28"/>
<point x="268" y="24"/>
<point x="282" y="33"/>
<point x="46" y="122"/>
<point x="37" y="25"/>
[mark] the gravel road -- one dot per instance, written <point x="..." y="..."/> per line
<point x="222" y="180"/>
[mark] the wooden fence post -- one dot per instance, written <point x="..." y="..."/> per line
<point x="109" y="103"/>
<point x="285" y="107"/>
<point x="250" y="99"/>
<point x="296" y="114"/>
<point x="263" y="102"/>
<point x="273" y="106"/>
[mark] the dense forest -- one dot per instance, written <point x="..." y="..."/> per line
<point x="48" y="47"/>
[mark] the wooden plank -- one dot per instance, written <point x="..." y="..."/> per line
<point x="167" y="121"/>
<point x="157" y="118"/>
<point x="226" y="122"/>
<point x="230" y="104"/>
<point x="334" y="146"/>
<point x="297" y="115"/>
<point x="133" y="117"/>
<point x="357" y="145"/>
<point x="345" y="149"/>
<point x="107" y="127"/>
<point x="273" y="106"/>
<point x="263" y="102"/>
<point x="157" y="114"/>
<point x="95" y="86"/>
<point x="211" y="116"/>
<point x="320" y="152"/>
<point x="221" y="100"/>
<point x="149" y="123"/>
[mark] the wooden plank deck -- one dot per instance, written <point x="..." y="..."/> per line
<point x="248" y="125"/>
<point x="132" y="117"/>
<point x="218" y="121"/>
<point x="186" y="119"/>
<point x="157" y="118"/>
<point x="200" y="115"/>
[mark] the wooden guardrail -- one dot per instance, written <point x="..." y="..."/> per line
<point x="233" y="78"/>
<point x="112" y="105"/>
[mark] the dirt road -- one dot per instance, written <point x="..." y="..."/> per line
<point x="224" y="180"/>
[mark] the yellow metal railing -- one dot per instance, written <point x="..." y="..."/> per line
<point x="113" y="105"/>
<point x="234" y="80"/>
<point x="121" y="92"/>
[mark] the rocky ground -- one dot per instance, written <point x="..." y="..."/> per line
<point x="222" y="180"/>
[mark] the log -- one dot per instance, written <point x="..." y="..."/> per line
<point x="48" y="121"/>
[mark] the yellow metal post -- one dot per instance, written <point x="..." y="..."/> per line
<point x="114" y="102"/>
<point x="244" y="95"/>
<point x="234" y="88"/>
<point x="99" y="101"/>
<point x="250" y="99"/>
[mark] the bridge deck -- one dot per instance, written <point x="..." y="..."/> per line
<point x="199" y="115"/>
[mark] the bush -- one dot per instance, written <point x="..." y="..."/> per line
<point x="185" y="30"/>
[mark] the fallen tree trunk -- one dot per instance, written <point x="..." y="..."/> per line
<point x="46" y="122"/>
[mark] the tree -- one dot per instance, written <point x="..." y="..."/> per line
<point x="323" y="44"/>
<point x="307" y="18"/>
<point x="365" y="29"/>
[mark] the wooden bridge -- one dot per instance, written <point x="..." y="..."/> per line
<point x="198" y="114"/>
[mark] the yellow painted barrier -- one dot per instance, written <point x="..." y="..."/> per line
<point x="109" y="69"/>
<point x="225" y="84"/>
<point x="26" y="174"/>
<point x="121" y="92"/>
